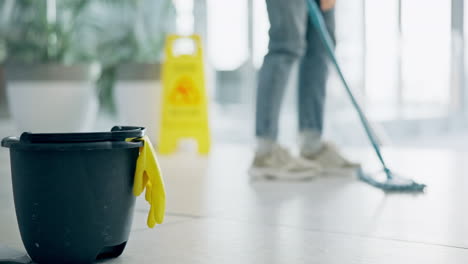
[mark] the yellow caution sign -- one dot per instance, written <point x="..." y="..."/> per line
<point x="184" y="107"/>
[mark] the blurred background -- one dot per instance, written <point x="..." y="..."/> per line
<point x="82" y="65"/>
<point x="405" y="59"/>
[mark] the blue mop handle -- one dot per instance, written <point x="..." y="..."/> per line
<point x="319" y="23"/>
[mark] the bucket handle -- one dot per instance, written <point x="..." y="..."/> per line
<point x="9" y="141"/>
<point x="118" y="133"/>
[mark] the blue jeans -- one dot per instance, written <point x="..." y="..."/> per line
<point x="292" y="39"/>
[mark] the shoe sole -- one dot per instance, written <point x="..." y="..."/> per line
<point x="340" y="172"/>
<point x="276" y="175"/>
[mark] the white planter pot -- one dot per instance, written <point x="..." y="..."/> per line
<point x="138" y="97"/>
<point x="52" y="98"/>
<point x="3" y="108"/>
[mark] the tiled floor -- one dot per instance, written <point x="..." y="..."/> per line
<point x="215" y="215"/>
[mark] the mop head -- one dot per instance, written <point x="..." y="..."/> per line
<point x="388" y="181"/>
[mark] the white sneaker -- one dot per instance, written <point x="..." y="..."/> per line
<point x="279" y="164"/>
<point x="331" y="160"/>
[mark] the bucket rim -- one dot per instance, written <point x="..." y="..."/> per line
<point x="118" y="137"/>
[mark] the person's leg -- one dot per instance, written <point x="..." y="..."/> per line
<point x="288" y="20"/>
<point x="313" y="75"/>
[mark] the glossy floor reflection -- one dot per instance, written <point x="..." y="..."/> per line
<point x="216" y="215"/>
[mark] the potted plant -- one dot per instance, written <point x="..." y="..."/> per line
<point x="130" y="58"/>
<point x="137" y="96"/>
<point x="49" y="69"/>
<point x="2" y="94"/>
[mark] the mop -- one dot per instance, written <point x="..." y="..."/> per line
<point x="390" y="181"/>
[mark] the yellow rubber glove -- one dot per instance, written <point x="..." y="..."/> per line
<point x="148" y="176"/>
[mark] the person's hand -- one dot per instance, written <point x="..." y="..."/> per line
<point x="327" y="4"/>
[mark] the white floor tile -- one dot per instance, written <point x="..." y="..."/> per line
<point x="219" y="241"/>
<point x="216" y="215"/>
<point x="342" y="205"/>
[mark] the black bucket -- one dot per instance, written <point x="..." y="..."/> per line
<point x="73" y="193"/>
